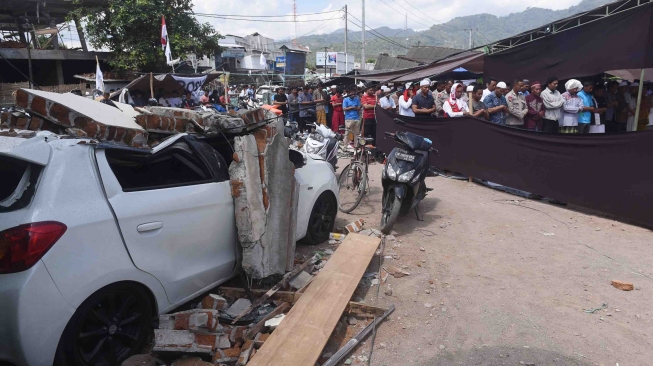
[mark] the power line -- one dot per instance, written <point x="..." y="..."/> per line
<point x="379" y="35"/>
<point x="267" y="16"/>
<point x="259" y="20"/>
<point x="398" y="11"/>
<point x="318" y="27"/>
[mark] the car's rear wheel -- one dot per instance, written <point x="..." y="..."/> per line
<point x="111" y="325"/>
<point x="322" y="219"/>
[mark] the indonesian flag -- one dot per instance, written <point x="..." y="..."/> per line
<point x="164" y="33"/>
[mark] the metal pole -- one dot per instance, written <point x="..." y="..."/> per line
<point x="346" y="59"/>
<point x="363" y="60"/>
<point x="325" y="61"/>
<point x="639" y="98"/>
<point x="29" y="61"/>
<point x="470" y="38"/>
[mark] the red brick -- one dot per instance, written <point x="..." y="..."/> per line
<point x="205" y="340"/>
<point x="213" y="302"/>
<point x="21" y="123"/>
<point x="237" y="334"/>
<point x="232" y="352"/>
<point x="39" y="105"/>
<point x="141" y="120"/>
<point x="60" y="113"/>
<point x="22" y="98"/>
<point x="247" y="345"/>
<point x="111" y="133"/>
<point x="35" y="123"/>
<point x="181" y="321"/>
<point x="4" y="117"/>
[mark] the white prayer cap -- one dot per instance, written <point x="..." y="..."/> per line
<point x="426" y="82"/>
<point x="502" y="85"/>
<point x="408" y="84"/>
<point x="470" y="88"/>
<point x="573" y="84"/>
<point x="623" y="83"/>
<point x="333" y="87"/>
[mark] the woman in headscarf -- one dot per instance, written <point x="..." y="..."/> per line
<point x="406" y="103"/>
<point x="572" y="105"/>
<point x="455" y="106"/>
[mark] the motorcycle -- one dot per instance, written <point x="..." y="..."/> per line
<point x="403" y="177"/>
<point x="323" y="142"/>
<point x="248" y="103"/>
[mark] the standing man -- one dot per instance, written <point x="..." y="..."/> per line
<point x="369" y="121"/>
<point x="423" y="101"/>
<point x="338" y="118"/>
<point x="490" y="88"/>
<point x="517" y="108"/>
<point x="306" y="113"/>
<point x="293" y="106"/>
<point x="320" y="99"/>
<point x="585" y="116"/>
<point x="351" y="105"/>
<point x="496" y="104"/>
<point x="611" y="103"/>
<point x="533" y="120"/>
<point x="281" y="100"/>
<point x="442" y="97"/>
<point x="479" y="109"/>
<point x="622" y="111"/>
<point x="386" y="102"/>
<point x="250" y="91"/>
<point x="553" y="102"/>
<point x="526" y="87"/>
<point x="572" y="106"/>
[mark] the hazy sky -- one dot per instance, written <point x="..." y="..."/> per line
<point x="379" y="13"/>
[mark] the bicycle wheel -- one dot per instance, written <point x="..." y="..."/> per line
<point x="352" y="183"/>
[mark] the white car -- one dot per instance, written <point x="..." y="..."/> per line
<point x="272" y="89"/>
<point x="95" y="240"/>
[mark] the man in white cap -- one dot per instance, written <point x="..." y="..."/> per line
<point x="496" y="104"/>
<point x="385" y="100"/>
<point x="423" y="101"/>
<point x="572" y="106"/>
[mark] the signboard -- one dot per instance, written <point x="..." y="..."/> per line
<point x="233" y="53"/>
<point x="330" y="58"/>
<point x="280" y="62"/>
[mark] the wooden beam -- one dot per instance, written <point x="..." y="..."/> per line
<point x="301" y="337"/>
<point x="237" y="293"/>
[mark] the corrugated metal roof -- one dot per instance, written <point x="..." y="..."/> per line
<point x="386" y="62"/>
<point x="428" y="54"/>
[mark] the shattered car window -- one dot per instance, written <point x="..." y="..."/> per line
<point x="18" y="183"/>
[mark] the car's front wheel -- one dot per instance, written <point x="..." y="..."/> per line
<point x="322" y="219"/>
<point x="111" y="325"/>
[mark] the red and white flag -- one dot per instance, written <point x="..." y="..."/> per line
<point x="164" y="33"/>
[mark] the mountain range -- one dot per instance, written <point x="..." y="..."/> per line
<point x="486" y="28"/>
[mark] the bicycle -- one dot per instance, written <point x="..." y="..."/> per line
<point x="354" y="180"/>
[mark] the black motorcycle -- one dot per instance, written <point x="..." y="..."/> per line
<point x="403" y="177"/>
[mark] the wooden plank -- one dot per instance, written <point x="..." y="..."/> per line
<point x="237" y="293"/>
<point x="357" y="308"/>
<point x="301" y="337"/>
<point x="257" y="328"/>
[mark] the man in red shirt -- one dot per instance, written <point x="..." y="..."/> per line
<point x="338" y="118"/>
<point x="369" y="122"/>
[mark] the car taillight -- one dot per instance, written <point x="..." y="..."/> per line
<point x="22" y="246"/>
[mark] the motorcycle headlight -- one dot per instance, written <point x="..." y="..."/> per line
<point x="362" y="141"/>
<point x="310" y="149"/>
<point x="391" y="173"/>
<point x="406" y="177"/>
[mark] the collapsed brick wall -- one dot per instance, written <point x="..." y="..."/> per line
<point x="49" y="115"/>
<point x="265" y="196"/>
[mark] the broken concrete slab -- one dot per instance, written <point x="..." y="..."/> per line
<point x="209" y="121"/>
<point x="166" y="340"/>
<point x="238" y="307"/>
<point x="300" y="280"/>
<point x="260" y="173"/>
<point x="80" y="115"/>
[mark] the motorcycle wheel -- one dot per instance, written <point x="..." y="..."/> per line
<point x="390" y="212"/>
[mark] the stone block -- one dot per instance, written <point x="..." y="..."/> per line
<point x="167" y="322"/>
<point x="197" y="319"/>
<point x="222" y="342"/>
<point x="237" y="334"/>
<point x="238" y="307"/>
<point x="624" y="286"/>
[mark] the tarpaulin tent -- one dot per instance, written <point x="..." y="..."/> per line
<point x="169" y="83"/>
<point x="470" y="60"/>
<point x="615" y="36"/>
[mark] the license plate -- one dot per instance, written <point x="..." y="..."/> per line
<point x="405" y="157"/>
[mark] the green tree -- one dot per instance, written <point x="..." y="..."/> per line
<point x="131" y="30"/>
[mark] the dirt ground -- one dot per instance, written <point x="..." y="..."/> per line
<point x="511" y="280"/>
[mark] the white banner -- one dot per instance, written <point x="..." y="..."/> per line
<point x="190" y="84"/>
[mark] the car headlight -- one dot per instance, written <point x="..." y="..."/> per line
<point x="391" y="173"/>
<point x="406" y="177"/>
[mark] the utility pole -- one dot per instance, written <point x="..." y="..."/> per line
<point x="294" y="23"/>
<point x="326" y="55"/>
<point x="363" y="60"/>
<point x="346" y="58"/>
<point x="470" y="38"/>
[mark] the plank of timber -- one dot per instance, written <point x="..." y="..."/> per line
<point x="357" y="308"/>
<point x="237" y="293"/>
<point x="302" y="335"/>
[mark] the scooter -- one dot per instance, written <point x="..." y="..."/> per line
<point x="323" y="142"/>
<point x="403" y="177"/>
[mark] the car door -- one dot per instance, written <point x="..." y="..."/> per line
<point x="175" y="213"/>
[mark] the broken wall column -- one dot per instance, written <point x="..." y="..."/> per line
<point x="262" y="177"/>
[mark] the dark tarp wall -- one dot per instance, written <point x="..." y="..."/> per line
<point x="611" y="173"/>
<point x="620" y="41"/>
